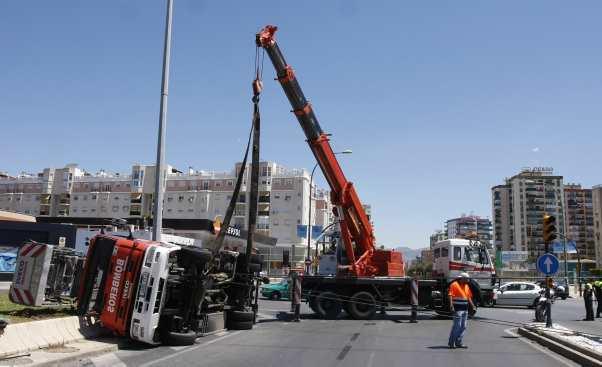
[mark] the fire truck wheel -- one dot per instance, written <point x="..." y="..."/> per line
<point x="328" y="305"/>
<point x="200" y="254"/>
<point x="362" y="306"/>
<point x="178" y="339"/>
<point x="313" y="303"/>
<point x="254" y="268"/>
<point x="240" y="325"/>
<point x="236" y="316"/>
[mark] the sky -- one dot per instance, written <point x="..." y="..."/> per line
<point x="439" y="101"/>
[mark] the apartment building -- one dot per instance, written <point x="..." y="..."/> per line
<point x="579" y="219"/>
<point x="519" y="206"/>
<point x="283" y="202"/>
<point x="597" y="210"/>
<point x="465" y="225"/>
<point x="503" y="221"/>
<point x="438" y="235"/>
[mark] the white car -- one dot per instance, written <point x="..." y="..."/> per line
<point x="516" y="294"/>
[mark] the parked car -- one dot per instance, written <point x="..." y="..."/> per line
<point x="517" y="294"/>
<point x="276" y="291"/>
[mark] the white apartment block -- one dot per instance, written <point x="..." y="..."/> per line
<point x="465" y="225"/>
<point x="283" y="202"/>
<point x="519" y="206"/>
<point x="597" y="206"/>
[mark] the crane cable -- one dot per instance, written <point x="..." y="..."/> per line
<point x="257" y="87"/>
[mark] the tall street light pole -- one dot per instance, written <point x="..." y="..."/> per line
<point x="311" y="179"/>
<point x="160" y="165"/>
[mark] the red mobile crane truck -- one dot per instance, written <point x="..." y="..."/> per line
<point x="371" y="278"/>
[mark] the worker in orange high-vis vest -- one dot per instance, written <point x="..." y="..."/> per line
<point x="460" y="301"/>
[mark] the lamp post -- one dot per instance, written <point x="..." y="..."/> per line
<point x="311" y="178"/>
<point x="160" y="166"/>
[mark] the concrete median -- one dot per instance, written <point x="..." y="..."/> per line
<point x="578" y="347"/>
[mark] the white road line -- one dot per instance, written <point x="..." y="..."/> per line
<point x="189" y="349"/>
<point x="107" y="360"/>
<point x="541" y="349"/>
<point x="370" y="360"/>
<point x="264" y="316"/>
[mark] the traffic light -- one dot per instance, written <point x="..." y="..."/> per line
<point x="549" y="228"/>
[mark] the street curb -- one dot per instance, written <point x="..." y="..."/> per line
<point x="30" y="336"/>
<point x="568" y="350"/>
<point x="109" y="348"/>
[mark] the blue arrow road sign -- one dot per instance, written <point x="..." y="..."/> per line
<point x="547" y="264"/>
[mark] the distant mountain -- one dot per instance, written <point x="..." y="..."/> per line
<point x="409" y="254"/>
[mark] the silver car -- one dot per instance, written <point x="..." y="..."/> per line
<point x="516" y="294"/>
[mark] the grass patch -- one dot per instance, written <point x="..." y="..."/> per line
<point x="14" y="313"/>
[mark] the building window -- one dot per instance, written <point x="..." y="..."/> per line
<point x="190" y="210"/>
<point x="125" y="208"/>
<point x="191" y="199"/>
<point x="169" y="199"/>
<point x="92" y="210"/>
<point x="180" y="198"/>
<point x="116" y="198"/>
<point x="287" y="198"/>
<point x="115" y="208"/>
<point x="230" y="182"/>
<point x="85" y="197"/>
<point x="75" y="197"/>
<point x="93" y="197"/>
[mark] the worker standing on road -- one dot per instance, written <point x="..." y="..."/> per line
<point x="296" y="296"/>
<point x="460" y="300"/>
<point x="588" y="298"/>
<point x="598" y="292"/>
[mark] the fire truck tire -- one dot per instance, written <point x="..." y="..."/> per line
<point x="240" y="325"/>
<point x="179" y="339"/>
<point x="254" y="268"/>
<point x="362" y="306"/>
<point x="200" y="254"/>
<point x="312" y="302"/>
<point x="328" y="305"/>
<point x="255" y="259"/>
<point x="237" y="316"/>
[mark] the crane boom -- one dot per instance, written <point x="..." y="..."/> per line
<point x="356" y="229"/>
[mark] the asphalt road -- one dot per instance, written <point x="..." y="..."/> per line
<point x="389" y="340"/>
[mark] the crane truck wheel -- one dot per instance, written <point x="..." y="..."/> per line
<point x="328" y="305"/>
<point x="362" y="306"/>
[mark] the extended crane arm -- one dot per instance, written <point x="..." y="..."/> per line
<point x="355" y="225"/>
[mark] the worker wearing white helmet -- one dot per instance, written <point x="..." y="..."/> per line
<point x="460" y="301"/>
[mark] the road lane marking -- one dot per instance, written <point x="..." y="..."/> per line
<point x="107" y="360"/>
<point x="370" y="360"/>
<point x="541" y="349"/>
<point x="189" y="349"/>
<point x="344" y="352"/>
